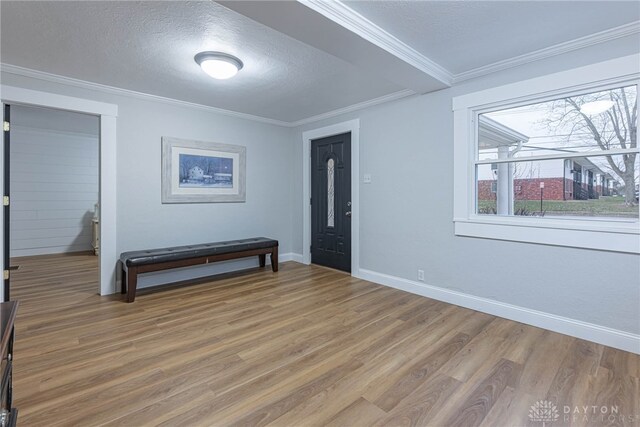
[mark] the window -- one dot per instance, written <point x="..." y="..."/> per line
<point x="552" y="160"/>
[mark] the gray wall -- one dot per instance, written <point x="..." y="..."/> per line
<point x="406" y="212"/>
<point x="54" y="182"/>
<point x="406" y="215"/>
<point x="144" y="222"/>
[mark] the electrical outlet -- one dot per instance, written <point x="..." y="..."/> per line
<point x="421" y="275"/>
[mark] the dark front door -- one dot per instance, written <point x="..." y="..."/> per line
<point x="5" y="200"/>
<point x="331" y="202"/>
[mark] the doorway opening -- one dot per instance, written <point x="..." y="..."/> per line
<point x="107" y="113"/>
<point x="54" y="216"/>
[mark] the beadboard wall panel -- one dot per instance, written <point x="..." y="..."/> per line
<point x="54" y="187"/>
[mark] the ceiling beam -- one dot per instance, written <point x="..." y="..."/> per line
<point x="338" y="30"/>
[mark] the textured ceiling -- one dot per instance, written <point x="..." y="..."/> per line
<point x="463" y="35"/>
<point x="149" y="47"/>
<point x="302" y="64"/>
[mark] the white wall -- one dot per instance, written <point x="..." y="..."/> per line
<point x="54" y="186"/>
<point x="406" y="220"/>
<point x="144" y="222"/>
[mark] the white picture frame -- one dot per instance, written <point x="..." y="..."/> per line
<point x="202" y="172"/>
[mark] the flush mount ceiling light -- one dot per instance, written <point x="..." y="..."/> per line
<point x="596" y="107"/>
<point x="219" y="65"/>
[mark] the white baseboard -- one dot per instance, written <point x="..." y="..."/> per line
<point x="575" y="328"/>
<point x="291" y="256"/>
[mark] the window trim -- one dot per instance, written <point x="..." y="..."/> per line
<point x="596" y="233"/>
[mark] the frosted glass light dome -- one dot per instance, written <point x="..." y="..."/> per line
<point x="219" y="65"/>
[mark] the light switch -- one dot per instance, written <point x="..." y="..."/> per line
<point x="366" y="178"/>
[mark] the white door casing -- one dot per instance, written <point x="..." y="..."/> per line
<point x="107" y="113"/>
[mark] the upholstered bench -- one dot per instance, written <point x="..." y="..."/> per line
<point x="136" y="262"/>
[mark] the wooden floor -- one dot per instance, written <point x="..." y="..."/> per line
<point x="305" y="346"/>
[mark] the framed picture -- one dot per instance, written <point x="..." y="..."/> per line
<point x="202" y="172"/>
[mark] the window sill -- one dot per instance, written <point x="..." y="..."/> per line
<point x="615" y="236"/>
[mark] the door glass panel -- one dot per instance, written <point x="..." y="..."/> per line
<point x="330" y="193"/>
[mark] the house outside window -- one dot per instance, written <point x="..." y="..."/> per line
<point x="558" y="153"/>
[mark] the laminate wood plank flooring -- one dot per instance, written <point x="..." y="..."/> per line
<point x="307" y="346"/>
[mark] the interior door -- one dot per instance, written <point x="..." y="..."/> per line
<point x="331" y="202"/>
<point x="5" y="200"/>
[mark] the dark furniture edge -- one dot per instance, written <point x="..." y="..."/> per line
<point x="8" y="328"/>
<point x="13" y="417"/>
<point x="129" y="278"/>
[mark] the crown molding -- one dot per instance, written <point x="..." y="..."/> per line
<point x="68" y="81"/>
<point x="359" y="106"/>
<point x="54" y="78"/>
<point x="353" y="21"/>
<point x="558" y="49"/>
<point x="343" y="15"/>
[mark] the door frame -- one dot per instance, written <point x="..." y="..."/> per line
<point x="352" y="126"/>
<point x="108" y="257"/>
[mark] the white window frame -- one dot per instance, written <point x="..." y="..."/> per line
<point x="594" y="233"/>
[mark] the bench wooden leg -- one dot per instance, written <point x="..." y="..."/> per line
<point x="263" y="259"/>
<point x="274" y="259"/>
<point x="123" y="281"/>
<point x="132" y="282"/>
